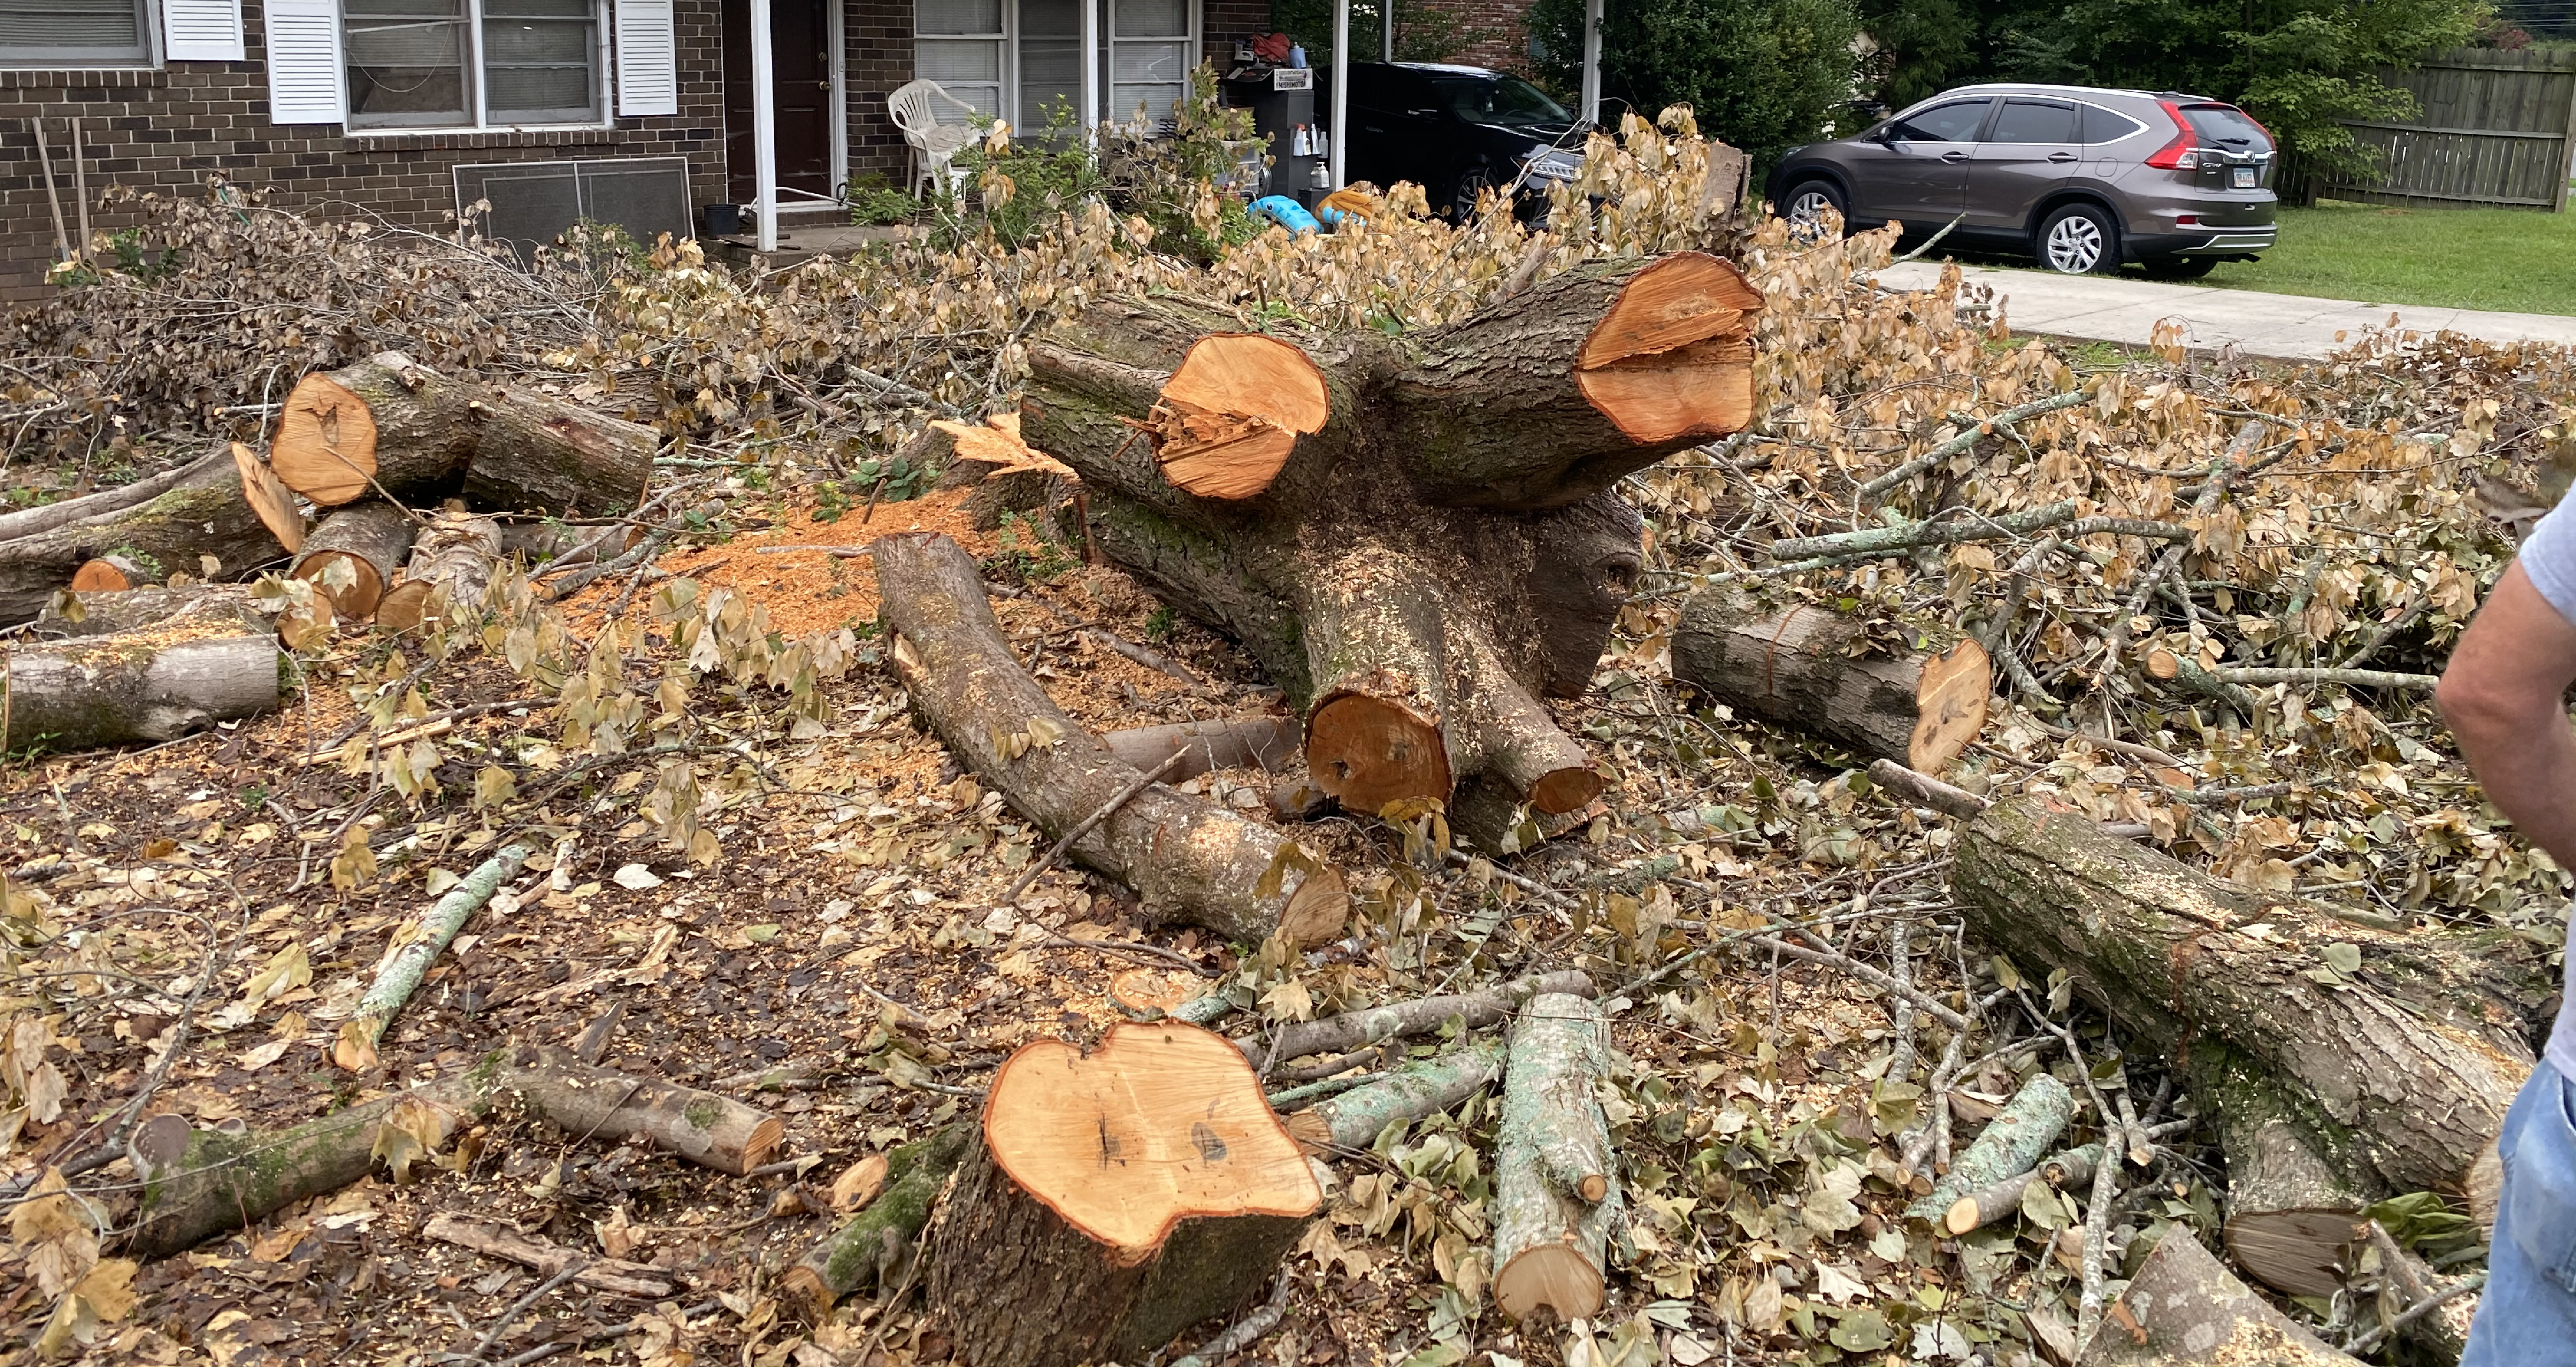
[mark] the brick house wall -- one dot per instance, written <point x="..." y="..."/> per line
<point x="1498" y="30"/>
<point x="168" y="129"/>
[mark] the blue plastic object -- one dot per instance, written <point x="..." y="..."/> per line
<point x="1297" y="57"/>
<point x="1285" y="212"/>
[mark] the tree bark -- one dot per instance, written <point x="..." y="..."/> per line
<point x="1800" y="665"/>
<point x="1473" y="1010"/>
<point x="2184" y="1307"/>
<point x="1415" y="537"/>
<point x="94" y="691"/>
<point x="1265" y="743"/>
<point x="1354" y="1119"/>
<point x="391" y="426"/>
<point x="2395" y="1077"/>
<point x="862" y="1251"/>
<point x="201" y="514"/>
<point x="454" y="556"/>
<point x="2002" y="1200"/>
<point x="400" y="974"/>
<point x="1556" y="1183"/>
<point x="499" y="1241"/>
<point x="351" y="557"/>
<point x="199" y="1183"/>
<point x="2011" y="1143"/>
<point x="1116" y="1199"/>
<point x="1188" y="860"/>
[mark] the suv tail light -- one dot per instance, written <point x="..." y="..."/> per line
<point x="2181" y="154"/>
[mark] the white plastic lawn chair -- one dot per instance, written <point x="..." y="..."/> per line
<point x="916" y="112"/>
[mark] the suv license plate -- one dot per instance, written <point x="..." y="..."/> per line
<point x="2240" y="178"/>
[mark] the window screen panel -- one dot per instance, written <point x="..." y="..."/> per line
<point x="961" y="18"/>
<point x="1050" y="64"/>
<point x="539" y="61"/>
<point x="1150" y="18"/>
<point x="406" y="62"/>
<point x="52" y="32"/>
<point x="970" y="69"/>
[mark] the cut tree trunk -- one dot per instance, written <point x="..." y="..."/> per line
<point x="391" y="426"/>
<point x="452" y="558"/>
<point x="1117" y="1198"/>
<point x="1000" y="471"/>
<point x="2184" y="1307"/>
<point x="1354" y="1119"/>
<point x="198" y="1183"/>
<point x="1265" y="743"/>
<point x="863" y="1252"/>
<point x="110" y="574"/>
<point x="1556" y="1183"/>
<point x="2330" y="1088"/>
<point x="2002" y="1200"/>
<point x="202" y="514"/>
<point x="1415" y="537"/>
<point x="1188" y="859"/>
<point x="352" y="555"/>
<point x="1812" y="668"/>
<point x="154" y="685"/>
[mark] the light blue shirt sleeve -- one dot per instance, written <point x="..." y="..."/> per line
<point x="2549" y="561"/>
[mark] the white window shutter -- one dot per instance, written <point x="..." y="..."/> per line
<point x="304" y="62"/>
<point x="648" y="75"/>
<point x="201" y="30"/>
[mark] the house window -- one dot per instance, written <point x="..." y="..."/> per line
<point x="471" y="63"/>
<point x="74" y="33"/>
<point x="1023" y="60"/>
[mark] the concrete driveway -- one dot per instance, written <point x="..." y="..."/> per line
<point x="2282" y="326"/>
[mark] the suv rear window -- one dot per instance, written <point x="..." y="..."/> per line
<point x="1953" y="122"/>
<point x="2227" y="126"/>
<point x="2101" y="125"/>
<point x="1506" y="100"/>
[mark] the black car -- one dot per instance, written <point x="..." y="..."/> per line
<point x="1455" y="131"/>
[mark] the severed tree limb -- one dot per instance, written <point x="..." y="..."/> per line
<point x="501" y="1241"/>
<point x="1352" y="1029"/>
<point x="1266" y="743"/>
<point x="1925" y="789"/>
<point x="46" y="517"/>
<point x="2011" y="1143"/>
<point x="863" y="1251"/>
<point x="1354" y="1119"/>
<point x="1967" y="440"/>
<point x="2001" y="1200"/>
<point x="199" y="1183"/>
<point x="2350" y="678"/>
<point x="400" y="974"/>
<point x="2184" y="1306"/>
<point x="1188" y="859"/>
<point x="1556" y="1189"/>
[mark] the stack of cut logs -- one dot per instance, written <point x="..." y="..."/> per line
<point x="421" y="483"/>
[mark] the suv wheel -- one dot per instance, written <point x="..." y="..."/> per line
<point x="2080" y="240"/>
<point x="1472" y="184"/>
<point x="1807" y="204"/>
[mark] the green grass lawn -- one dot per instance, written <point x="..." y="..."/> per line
<point x="2517" y="260"/>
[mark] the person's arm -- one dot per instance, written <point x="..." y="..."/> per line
<point x="2504" y="697"/>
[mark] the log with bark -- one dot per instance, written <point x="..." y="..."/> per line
<point x="1415" y="537"/>
<point x="451" y="560"/>
<point x="393" y="427"/>
<point x="1265" y="743"/>
<point x="1917" y="702"/>
<point x="1349" y="1030"/>
<point x="198" y="515"/>
<point x="199" y="1183"/>
<point x="2001" y="1200"/>
<point x="864" y="1251"/>
<point x="1354" y="1119"/>
<point x="351" y="557"/>
<point x="1116" y="1198"/>
<point x="155" y="682"/>
<point x="400" y="974"/>
<point x="1188" y="859"/>
<point x="1556" y="1183"/>
<point x="2011" y="1143"/>
<point x="2184" y="1307"/>
<point x="2331" y="1086"/>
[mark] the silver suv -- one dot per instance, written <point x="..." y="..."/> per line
<point x="2084" y="179"/>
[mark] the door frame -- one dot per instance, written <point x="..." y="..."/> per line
<point x="836" y="115"/>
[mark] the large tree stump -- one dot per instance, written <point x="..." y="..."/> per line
<point x="2331" y="1088"/>
<point x="1414" y="536"/>
<point x="1556" y="1183"/>
<point x="392" y="426"/>
<point x="1918" y="703"/>
<point x="1117" y="1198"/>
<point x="1187" y="858"/>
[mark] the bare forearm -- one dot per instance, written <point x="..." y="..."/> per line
<point x="2527" y="765"/>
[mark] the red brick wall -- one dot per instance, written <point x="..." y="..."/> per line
<point x="1497" y="30"/>
<point x="167" y="130"/>
<point x="876" y="47"/>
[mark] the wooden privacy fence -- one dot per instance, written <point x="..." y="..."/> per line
<point x="2494" y="128"/>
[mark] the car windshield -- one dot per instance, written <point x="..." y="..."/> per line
<point x="1506" y="100"/>
<point x="2227" y="126"/>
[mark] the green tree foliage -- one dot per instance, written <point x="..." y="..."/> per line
<point x="1764" y="75"/>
